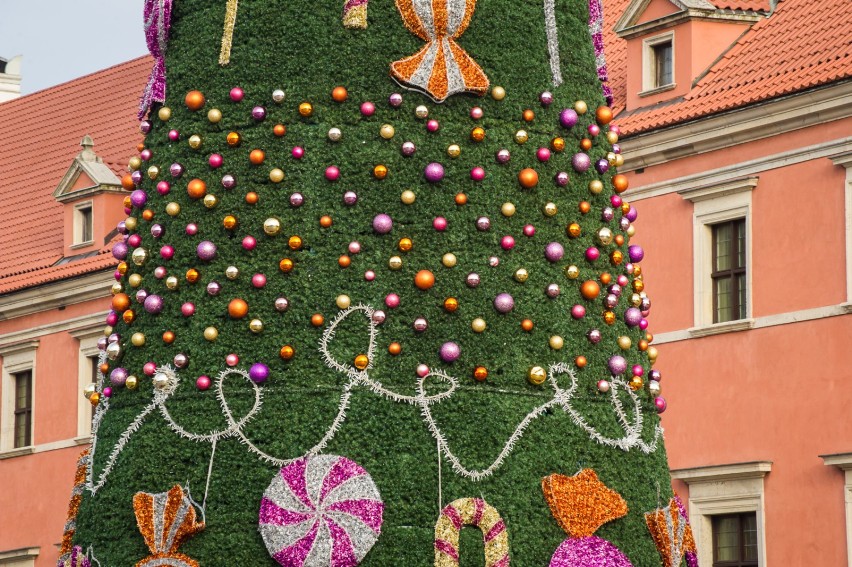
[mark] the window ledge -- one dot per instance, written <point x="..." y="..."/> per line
<point x="83" y="440"/>
<point x="20" y="452"/>
<point x="720" y="328"/>
<point x="658" y="90"/>
<point x="82" y="245"/>
<point x="843" y="461"/>
<point x="714" y="473"/>
<point x="22" y="553"/>
<point x="846" y="307"/>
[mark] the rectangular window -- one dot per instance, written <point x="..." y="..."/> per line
<point x="729" y="271"/>
<point x="735" y="540"/>
<point x="662" y="55"/>
<point x="83" y="224"/>
<point x="23" y="382"/>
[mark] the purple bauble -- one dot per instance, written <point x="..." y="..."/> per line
<point x="145" y="126"/>
<point x="395" y="100"/>
<point x="617" y="365"/>
<point x="112" y="318"/>
<point x="382" y="223"/>
<point x="297" y="200"/>
<point x="632" y="316"/>
<point x="660" y="404"/>
<point x="554" y="252"/>
<point x="632" y="213"/>
<point x="154" y="304"/>
<point x="138" y="198"/>
<point x="562" y="178"/>
<point x="229" y="181"/>
<point x="206" y="250"/>
<point x="588" y="551"/>
<point x="594" y="336"/>
<point x="450" y="351"/>
<point x="552" y="290"/>
<point x="136" y="177"/>
<point x="483" y="223"/>
<point x="568" y="117"/>
<point x="546" y="98"/>
<point x="408" y="149"/>
<point x="607" y="214"/>
<point x="141" y="295"/>
<point x="434" y="172"/>
<point x="503" y="156"/>
<point x="602" y="166"/>
<point x="119" y="250"/>
<point x="258" y="113"/>
<point x="611" y="300"/>
<point x="259" y="372"/>
<point x="472" y="280"/>
<point x="118" y="376"/>
<point x="157" y="230"/>
<point x="636" y="253"/>
<point x="350" y="198"/>
<point x="581" y="162"/>
<point x="504" y="303"/>
<point x="176" y="170"/>
<point x="214" y="288"/>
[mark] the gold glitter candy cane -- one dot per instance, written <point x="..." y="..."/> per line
<point x="228" y="32"/>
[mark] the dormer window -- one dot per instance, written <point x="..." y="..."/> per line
<point x="83" y="224"/>
<point x="658" y="63"/>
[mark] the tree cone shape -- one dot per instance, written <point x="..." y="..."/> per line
<point x="448" y="412"/>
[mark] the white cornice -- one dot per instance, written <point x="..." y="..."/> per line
<point x="78" y="327"/>
<point x="698" y="193"/>
<point x="55" y="295"/>
<point x="735" y="127"/>
<point x="715" y="473"/>
<point x="843" y="461"/>
<point x="667" y="22"/>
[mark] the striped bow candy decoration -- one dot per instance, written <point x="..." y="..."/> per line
<point x="441" y="68"/>
<point x="166" y="520"/>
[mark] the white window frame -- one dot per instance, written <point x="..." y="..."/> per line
<point x="724" y="489"/>
<point x="845" y="160"/>
<point x="88" y="339"/>
<point x="649" y="85"/>
<point x="843" y="461"/>
<point x="17" y="358"/>
<point x="712" y="205"/>
<point x="24" y="557"/>
<point x="78" y="224"/>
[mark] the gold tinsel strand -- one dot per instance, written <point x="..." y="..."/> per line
<point x="228" y="33"/>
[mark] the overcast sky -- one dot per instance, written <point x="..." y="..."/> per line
<point x="64" y="39"/>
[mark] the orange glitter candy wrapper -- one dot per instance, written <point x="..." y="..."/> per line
<point x="582" y="503"/>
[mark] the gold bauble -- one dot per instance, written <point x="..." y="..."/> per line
<point x="211" y="333"/>
<point x="128" y="316"/>
<point x="194" y="141"/>
<point x="362" y="361"/>
<point x="116" y="288"/>
<point x="137" y="339"/>
<point x="521" y="275"/>
<point x="164" y="113"/>
<point x="192" y="275"/>
<point x="130" y="223"/>
<point x="537" y="375"/>
<point x="256" y="326"/>
<point x="131" y="382"/>
<point x="605" y="236"/>
<point x="609" y="317"/>
<point x="612" y="137"/>
<point x="173" y="209"/>
<point x="139" y="256"/>
<point x="498" y="93"/>
<point x="521" y="136"/>
<point x="556" y="342"/>
<point x="343" y="301"/>
<point x="95" y="398"/>
<point x="449" y="260"/>
<point x="380" y="171"/>
<point x="635" y="300"/>
<point x="611" y="157"/>
<point x="557" y="144"/>
<point x="387" y="131"/>
<point x="478" y="325"/>
<point x="214" y="115"/>
<point x="617" y="257"/>
<point x="276" y="175"/>
<point x="232" y="272"/>
<point x="122" y="268"/>
<point x="421" y="111"/>
<point x="134" y="163"/>
<point x="405" y="245"/>
<point x="572" y="272"/>
<point x="160" y="380"/>
<point x="306" y="109"/>
<point x="581" y="107"/>
<point x="624" y="342"/>
<point x="233" y="139"/>
<point x="574" y="230"/>
<point x="550" y="209"/>
<point x="451" y="304"/>
<point x="287" y="352"/>
<point x="508" y="209"/>
<point x="89" y="390"/>
<point x="638" y="285"/>
<point x="210" y="201"/>
<point x="652" y="354"/>
<point x="395" y="263"/>
<point x="153" y="172"/>
<point x="454" y="150"/>
<point x="271" y="226"/>
<point x="229" y="222"/>
<point x="619" y="160"/>
<point x="477" y="134"/>
<point x="172" y="283"/>
<point x="295" y="242"/>
<point x="408" y="197"/>
<point x="636" y="383"/>
<point x="595" y="186"/>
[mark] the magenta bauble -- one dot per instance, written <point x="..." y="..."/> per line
<point x="138" y="198"/>
<point x="568" y="118"/>
<point x="450" y="351"/>
<point x="434" y="172"/>
<point x="332" y="173"/>
<point x="202" y="382"/>
<point x="237" y="94"/>
<point x="382" y="223"/>
<point x="368" y="108"/>
<point x="439" y="224"/>
<point x="154" y="304"/>
<point x="259" y="372"/>
<point x="554" y="252"/>
<point x="504" y="303"/>
<point x="578" y="312"/>
<point x="206" y="250"/>
<point x="636" y="253"/>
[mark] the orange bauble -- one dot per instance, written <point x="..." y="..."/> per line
<point x="279" y="130"/>
<point x="285" y="265"/>
<point x="380" y="171"/>
<point x="585" y="207"/>
<point x="606" y="278"/>
<point x="317" y="319"/>
<point x="574" y="230"/>
<point x="229" y="222"/>
<point x="527" y="325"/>
<point x="423" y="280"/>
<point x="339" y="94"/>
<point x="251" y="198"/>
<point x="168" y="337"/>
<point x="620" y="183"/>
<point x="603" y="115"/>
<point x="120" y="301"/>
<point x="461" y="199"/>
<point x="192" y="275"/>
<point x="256" y="157"/>
<point x="590" y="289"/>
<point x="196" y="189"/>
<point x="127" y="182"/>
<point x="394" y="348"/>
<point x="147" y="214"/>
<point x="238" y="308"/>
<point x="287" y="352"/>
<point x="580" y="361"/>
<point x="480" y="373"/>
<point x="529" y="115"/>
<point x="528" y="178"/>
<point x="586" y="144"/>
<point x="451" y="304"/>
<point x="129" y="316"/>
<point x="344" y="261"/>
<point x="194" y="100"/>
<point x="325" y="221"/>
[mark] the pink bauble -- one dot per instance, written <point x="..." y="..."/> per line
<point x="392" y="300"/>
<point x="422" y="370"/>
<point x="543" y="154"/>
<point x="368" y="108"/>
<point x="160" y="272"/>
<point x="622" y="279"/>
<point x="202" y="382"/>
<point x="134" y="240"/>
<point x="258" y="281"/>
<point x="237" y="94"/>
<point x="638" y="370"/>
<point x="615" y="201"/>
<point x="660" y="404"/>
<point x="192" y="229"/>
<point x="249" y="243"/>
<point x="298" y="152"/>
<point x="174" y="135"/>
<point x="643" y="324"/>
<point x="432" y="125"/>
<point x="592" y="254"/>
<point x="107" y="392"/>
<point x="594" y="129"/>
<point x="507" y="242"/>
<point x="354" y="247"/>
<point x="476" y="113"/>
<point x="167" y="252"/>
<point x="477" y="174"/>
<point x="297" y="200"/>
<point x="112" y="318"/>
<point x="187" y="309"/>
<point x="578" y="312"/>
<point x="439" y="224"/>
<point x="215" y="160"/>
<point x="232" y="360"/>
<point x="529" y="230"/>
<point x="332" y="173"/>
<point x="163" y="188"/>
<point x="149" y="368"/>
<point x="369" y="275"/>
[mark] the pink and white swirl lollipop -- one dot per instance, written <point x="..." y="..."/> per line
<point x="321" y="511"/>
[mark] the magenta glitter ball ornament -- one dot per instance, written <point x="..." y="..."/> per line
<point x="439" y="224"/>
<point x="350" y="198"/>
<point x="408" y="149"/>
<point x="138" y="198"/>
<point x="578" y="312"/>
<point x="592" y="254"/>
<point x="149" y="368"/>
<point x="450" y="352"/>
<point x="154" y="304"/>
<point x="432" y="125"/>
<point x="237" y="94"/>
<point x="298" y="152"/>
<point x="258" y="281"/>
<point x="112" y="318"/>
<point x="395" y="100"/>
<point x="214" y="288"/>
<point x="215" y="160"/>
<point x="589" y="551"/>
<point x="164" y="188"/>
<point x="118" y="376"/>
<point x="382" y="223"/>
<point x="434" y="172"/>
<point x="617" y="365"/>
<point x="145" y="126"/>
<point x="119" y="251"/>
<point x="368" y="108"/>
<point x="206" y="250"/>
<point x="581" y="162"/>
<point x="503" y="156"/>
<point x="554" y="252"/>
<point x="615" y="201"/>
<point x="638" y="370"/>
<point x="483" y="224"/>
<point x="259" y="372"/>
<point x="568" y="118"/>
<point x="543" y="154"/>
<point x="507" y="242"/>
<point x="176" y="170"/>
<point x="660" y="404"/>
<point x="249" y="243"/>
<point x="258" y="113"/>
<point x="297" y="200"/>
<point x="632" y="214"/>
<point x="134" y="240"/>
<point x="332" y="173"/>
<point x="392" y="300"/>
<point x="636" y="253"/>
<point x="504" y="303"/>
<point x="192" y="229"/>
<point x="232" y="360"/>
<point x="477" y="174"/>
<point x="562" y="178"/>
<point x="632" y="316"/>
<point x="202" y="382"/>
<point x="546" y="98"/>
<point x="174" y="135"/>
<point x="167" y="252"/>
<point x="229" y="181"/>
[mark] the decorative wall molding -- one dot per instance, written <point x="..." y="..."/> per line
<point x="22" y="556"/>
<point x="56" y="295"/>
<point x="77" y="326"/>
<point x="44" y="448"/>
<point x="843" y="461"/>
<point x="716" y="473"/>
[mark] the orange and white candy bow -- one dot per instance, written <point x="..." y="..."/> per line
<point x="441" y="68"/>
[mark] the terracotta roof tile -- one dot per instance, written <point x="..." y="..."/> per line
<point x="616" y="52"/>
<point x="743" y="5"/>
<point x="39" y="137"/>
<point x="797" y="48"/>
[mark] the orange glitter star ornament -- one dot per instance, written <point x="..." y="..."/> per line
<point x="166" y="520"/>
<point x="582" y="503"/>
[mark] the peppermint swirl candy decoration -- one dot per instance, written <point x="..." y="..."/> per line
<point x="321" y="511"/>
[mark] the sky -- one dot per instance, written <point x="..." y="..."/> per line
<point x="65" y="39"/>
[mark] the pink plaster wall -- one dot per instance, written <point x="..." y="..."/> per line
<point x="657" y="9"/>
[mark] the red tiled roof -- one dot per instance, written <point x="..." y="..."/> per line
<point x="743" y="5"/>
<point x="39" y="138"/>
<point x="616" y="53"/>
<point x="803" y="45"/>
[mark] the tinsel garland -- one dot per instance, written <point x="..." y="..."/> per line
<point x="157" y="21"/>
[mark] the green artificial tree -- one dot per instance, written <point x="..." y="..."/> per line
<point x="376" y="285"/>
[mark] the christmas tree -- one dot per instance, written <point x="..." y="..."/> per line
<point x="376" y="285"/>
